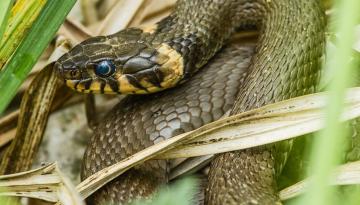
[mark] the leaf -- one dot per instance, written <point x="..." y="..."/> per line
<point x="5" y="6"/>
<point x="30" y="49"/>
<point x="22" y="17"/>
<point x="32" y="120"/>
<point x="346" y="174"/>
<point x="46" y="183"/>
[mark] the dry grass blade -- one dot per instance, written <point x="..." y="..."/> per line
<point x="268" y="124"/>
<point x="152" y="12"/>
<point x="32" y="120"/>
<point x="276" y="122"/>
<point x="8" y="123"/>
<point x="74" y="31"/>
<point x="150" y="9"/>
<point x="120" y="16"/>
<point x="189" y="166"/>
<point x="6" y="137"/>
<point x="31" y="123"/>
<point x="346" y="174"/>
<point x="89" y="11"/>
<point x="46" y="183"/>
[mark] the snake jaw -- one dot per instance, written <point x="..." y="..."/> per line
<point x="167" y="73"/>
<point x="94" y="86"/>
<point x="173" y="68"/>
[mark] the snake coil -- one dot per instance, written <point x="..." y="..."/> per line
<point x="286" y="64"/>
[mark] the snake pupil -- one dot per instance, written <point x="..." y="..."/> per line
<point x="105" y="68"/>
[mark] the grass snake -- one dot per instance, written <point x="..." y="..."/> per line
<point x="286" y="63"/>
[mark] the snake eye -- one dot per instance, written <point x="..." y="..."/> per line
<point x="105" y="68"/>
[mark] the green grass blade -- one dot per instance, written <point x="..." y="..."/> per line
<point x="5" y="7"/>
<point x="354" y="196"/>
<point x="330" y="142"/>
<point x="23" y="14"/>
<point x="181" y="193"/>
<point x="30" y="49"/>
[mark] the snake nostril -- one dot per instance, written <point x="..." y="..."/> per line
<point x="70" y="74"/>
<point x="73" y="73"/>
<point x="66" y="72"/>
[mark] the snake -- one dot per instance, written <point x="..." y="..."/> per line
<point x="172" y="58"/>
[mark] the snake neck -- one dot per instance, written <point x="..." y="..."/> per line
<point x="197" y="31"/>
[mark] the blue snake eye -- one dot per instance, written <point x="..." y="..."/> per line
<point x="105" y="68"/>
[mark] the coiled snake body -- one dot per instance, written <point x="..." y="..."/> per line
<point x="286" y="64"/>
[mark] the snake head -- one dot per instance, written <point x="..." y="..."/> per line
<point x="125" y="62"/>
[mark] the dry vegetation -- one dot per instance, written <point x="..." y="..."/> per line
<point x="23" y="125"/>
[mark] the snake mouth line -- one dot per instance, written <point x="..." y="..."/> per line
<point x="124" y="84"/>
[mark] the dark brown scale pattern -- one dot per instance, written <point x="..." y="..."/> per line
<point x="196" y="32"/>
<point x="140" y="121"/>
<point x="287" y="64"/>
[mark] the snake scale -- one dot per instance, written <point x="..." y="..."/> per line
<point x="286" y="63"/>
